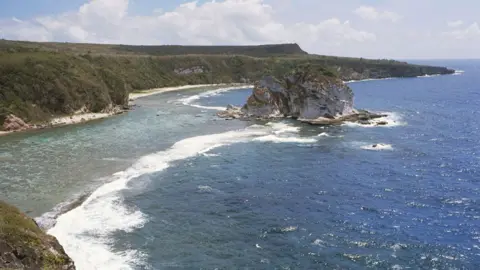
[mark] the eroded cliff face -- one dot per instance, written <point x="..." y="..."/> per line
<point x="311" y="95"/>
<point x="303" y="94"/>
<point x="23" y="245"/>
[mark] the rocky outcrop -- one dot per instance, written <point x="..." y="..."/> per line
<point x="232" y="112"/>
<point x="362" y="117"/>
<point x="114" y="109"/>
<point x="310" y="95"/>
<point x="14" y="123"/>
<point x="303" y="94"/>
<point x="23" y="245"/>
<point x="190" y="70"/>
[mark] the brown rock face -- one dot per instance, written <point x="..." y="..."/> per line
<point x="14" y="123"/>
<point x="303" y="94"/>
<point x="23" y="245"/>
<point x="309" y="95"/>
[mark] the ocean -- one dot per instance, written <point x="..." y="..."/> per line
<point x="171" y="186"/>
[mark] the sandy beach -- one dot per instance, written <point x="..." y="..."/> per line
<point x="155" y="91"/>
<point x="78" y="118"/>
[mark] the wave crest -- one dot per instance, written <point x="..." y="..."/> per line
<point x="189" y="100"/>
<point x="86" y="231"/>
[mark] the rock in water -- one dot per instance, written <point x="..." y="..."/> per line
<point x="304" y="94"/>
<point x="14" y="123"/>
<point x="23" y="245"/>
<point x="231" y="112"/>
<point x="311" y="95"/>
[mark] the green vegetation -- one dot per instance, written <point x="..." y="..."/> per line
<point x="23" y="245"/>
<point x="163" y="50"/>
<point x="40" y="80"/>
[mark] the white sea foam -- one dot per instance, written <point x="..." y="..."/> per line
<point x="85" y="232"/>
<point x="378" y="147"/>
<point x="189" y="100"/>
<point x="278" y="139"/>
<point x="392" y="120"/>
<point x="210" y="155"/>
<point x="49" y="219"/>
<point x="324" y="134"/>
<point x="111" y="159"/>
<point x="458" y="72"/>
<point x="205" y="189"/>
<point x="370" y="146"/>
<point x="429" y="76"/>
<point x="318" y="242"/>
<point x="284" y="133"/>
<point x="367" y="80"/>
<point x="457" y="201"/>
<point x="280" y="127"/>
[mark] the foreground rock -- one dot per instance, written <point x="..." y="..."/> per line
<point x="23" y="245"/>
<point x="310" y="95"/>
<point x="14" y="123"/>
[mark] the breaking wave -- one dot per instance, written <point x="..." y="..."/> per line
<point x="378" y="147"/>
<point x="391" y="120"/>
<point x="85" y="227"/>
<point x="367" y="80"/>
<point x="458" y="72"/>
<point x="278" y="139"/>
<point x="189" y="101"/>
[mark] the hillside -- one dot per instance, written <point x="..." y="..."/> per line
<point x="23" y="245"/>
<point x="42" y="80"/>
<point x="153" y="50"/>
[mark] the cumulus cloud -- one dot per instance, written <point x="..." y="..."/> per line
<point x="455" y="23"/>
<point x="372" y="14"/>
<point x="470" y="32"/>
<point x="215" y="22"/>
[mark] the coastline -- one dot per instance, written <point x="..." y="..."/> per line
<point x="83" y="117"/>
<point x="156" y="91"/>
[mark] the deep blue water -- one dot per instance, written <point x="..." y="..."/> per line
<point x="331" y="204"/>
<point x="286" y="195"/>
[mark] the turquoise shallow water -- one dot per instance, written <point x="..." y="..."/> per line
<point x="171" y="186"/>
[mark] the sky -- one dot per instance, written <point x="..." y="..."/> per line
<point x="399" y="29"/>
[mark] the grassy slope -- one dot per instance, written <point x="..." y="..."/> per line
<point x="38" y="80"/>
<point x="20" y="236"/>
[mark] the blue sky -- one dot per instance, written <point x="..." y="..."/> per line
<point x="363" y="28"/>
<point x="25" y="9"/>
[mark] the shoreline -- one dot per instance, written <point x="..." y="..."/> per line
<point x="80" y="117"/>
<point x="155" y="91"/>
<point x="457" y="72"/>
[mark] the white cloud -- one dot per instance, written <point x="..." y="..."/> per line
<point x="332" y="30"/>
<point x="16" y="29"/>
<point x="470" y="32"/>
<point x="321" y="29"/>
<point x="215" y="22"/>
<point x="15" y="19"/>
<point x="372" y="14"/>
<point x="455" y="23"/>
